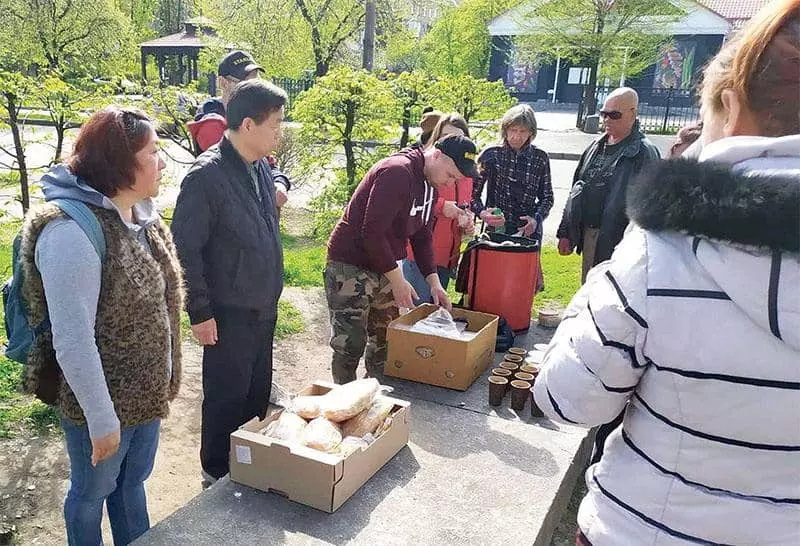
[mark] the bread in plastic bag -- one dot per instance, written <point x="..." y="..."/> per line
<point x="370" y="419"/>
<point x="288" y="427"/>
<point x="350" y="445"/>
<point x="306" y="407"/>
<point x="321" y="434"/>
<point x="439" y="323"/>
<point x="348" y="400"/>
<point x="383" y="427"/>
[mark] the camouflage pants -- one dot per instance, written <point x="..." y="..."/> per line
<point x="361" y="306"/>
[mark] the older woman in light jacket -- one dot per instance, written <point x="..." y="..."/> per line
<point x="693" y="327"/>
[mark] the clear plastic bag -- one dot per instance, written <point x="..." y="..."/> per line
<point x="323" y="435"/>
<point x="370" y="419"/>
<point x="346" y="401"/>
<point x="439" y="323"/>
<point x="306" y="407"/>
<point x="289" y="427"/>
<point x="350" y="445"/>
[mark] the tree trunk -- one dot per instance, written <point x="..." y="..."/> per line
<point x="368" y="53"/>
<point x="590" y="94"/>
<point x="406" y="126"/>
<point x="19" y="149"/>
<point x="322" y="68"/>
<point x="61" y="129"/>
<point x="349" y="147"/>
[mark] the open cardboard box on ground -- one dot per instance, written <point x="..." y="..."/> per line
<point x="441" y="361"/>
<point x="306" y="475"/>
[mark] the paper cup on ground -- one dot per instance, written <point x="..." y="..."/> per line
<point x="519" y="351"/>
<point x="520" y="392"/>
<point x="523" y="376"/>
<point x="529" y="368"/>
<point x="516" y="359"/>
<point x="510" y="366"/>
<point x="497" y="389"/>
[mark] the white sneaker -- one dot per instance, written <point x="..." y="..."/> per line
<point x="208" y="479"/>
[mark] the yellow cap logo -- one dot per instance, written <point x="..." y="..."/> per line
<point x="469" y="155"/>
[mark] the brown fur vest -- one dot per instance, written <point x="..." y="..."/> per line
<point x="137" y="325"/>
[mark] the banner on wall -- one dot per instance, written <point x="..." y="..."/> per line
<point x="675" y="66"/>
<point x="521" y="77"/>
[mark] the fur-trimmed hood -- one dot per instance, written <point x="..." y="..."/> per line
<point x="743" y="190"/>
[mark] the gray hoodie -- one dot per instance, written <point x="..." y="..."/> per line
<point x="71" y="273"/>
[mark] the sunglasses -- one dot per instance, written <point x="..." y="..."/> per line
<point x="611" y="114"/>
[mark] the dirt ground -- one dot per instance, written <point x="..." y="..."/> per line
<point x="34" y="472"/>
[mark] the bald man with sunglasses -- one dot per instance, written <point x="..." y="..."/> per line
<point x="594" y="218"/>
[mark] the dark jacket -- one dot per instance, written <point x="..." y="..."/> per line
<point x="392" y="204"/>
<point x="637" y="153"/>
<point x="228" y="242"/>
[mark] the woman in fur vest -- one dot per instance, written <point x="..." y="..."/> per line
<point x="112" y="357"/>
<point x="693" y="327"/>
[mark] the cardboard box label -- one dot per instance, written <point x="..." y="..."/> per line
<point x="426" y="352"/>
<point x="243" y="455"/>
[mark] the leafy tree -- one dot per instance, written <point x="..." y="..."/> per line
<point x="14" y="91"/>
<point x="351" y="110"/>
<point x="331" y="24"/>
<point x="459" y="41"/>
<point x="475" y="99"/>
<point x="411" y="90"/>
<point x="619" y="34"/>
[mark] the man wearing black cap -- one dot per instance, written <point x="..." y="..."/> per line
<point x="363" y="284"/>
<point x="209" y="122"/>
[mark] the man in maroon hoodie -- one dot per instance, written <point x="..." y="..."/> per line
<point x="363" y="283"/>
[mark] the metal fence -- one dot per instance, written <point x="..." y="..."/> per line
<point x="293" y="88"/>
<point x="660" y="110"/>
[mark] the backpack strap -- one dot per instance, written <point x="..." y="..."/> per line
<point x="88" y="222"/>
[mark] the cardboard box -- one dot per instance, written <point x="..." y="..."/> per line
<point x="308" y="476"/>
<point x="441" y="361"/>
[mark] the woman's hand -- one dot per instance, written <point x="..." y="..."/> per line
<point x="105" y="447"/>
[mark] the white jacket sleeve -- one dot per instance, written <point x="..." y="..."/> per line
<point x="596" y="358"/>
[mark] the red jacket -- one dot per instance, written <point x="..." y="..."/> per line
<point x="446" y="233"/>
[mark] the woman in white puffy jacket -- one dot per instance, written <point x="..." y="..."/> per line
<point x="693" y="327"/>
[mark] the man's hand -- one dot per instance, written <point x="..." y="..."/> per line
<point x="404" y="294"/>
<point x="493" y="220"/>
<point x="438" y="293"/>
<point x="206" y="332"/>
<point x="105" y="447"/>
<point x="467" y="223"/>
<point x="564" y="246"/>
<point x="281" y="195"/>
<point x="530" y="225"/>
<point x="441" y="298"/>
<point x="451" y="210"/>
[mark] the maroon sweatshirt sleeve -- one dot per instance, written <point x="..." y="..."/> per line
<point x="388" y="196"/>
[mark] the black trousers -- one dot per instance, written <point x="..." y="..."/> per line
<point x="237" y="378"/>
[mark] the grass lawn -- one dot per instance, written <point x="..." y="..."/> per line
<point x="17" y="411"/>
<point x="304" y="260"/>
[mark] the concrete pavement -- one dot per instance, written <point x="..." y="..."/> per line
<point x="471" y="474"/>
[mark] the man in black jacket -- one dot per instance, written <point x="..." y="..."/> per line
<point x="226" y="230"/>
<point x="596" y="225"/>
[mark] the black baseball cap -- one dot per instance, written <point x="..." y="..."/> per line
<point x="462" y="151"/>
<point x="237" y="64"/>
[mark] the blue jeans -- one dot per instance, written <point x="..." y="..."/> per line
<point x="118" y="481"/>
<point x="414" y="276"/>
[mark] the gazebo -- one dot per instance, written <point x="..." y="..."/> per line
<point x="184" y="45"/>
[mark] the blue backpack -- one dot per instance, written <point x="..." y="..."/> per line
<point x="19" y="331"/>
